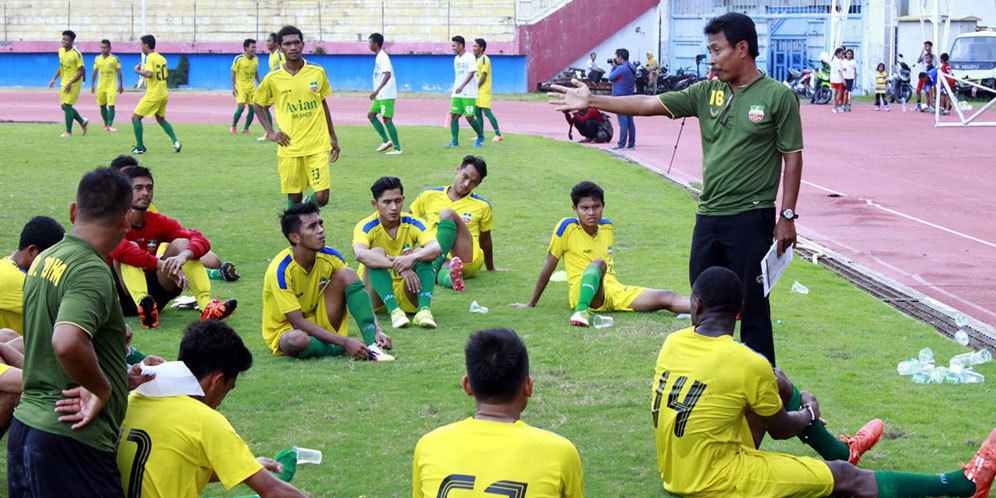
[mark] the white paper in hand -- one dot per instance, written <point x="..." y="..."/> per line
<point x="173" y="378"/>
<point x="772" y="266"/>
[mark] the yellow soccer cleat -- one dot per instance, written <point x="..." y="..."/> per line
<point x="399" y="319"/>
<point x="424" y="319"/>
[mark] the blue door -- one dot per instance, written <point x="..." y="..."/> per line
<point x="786" y="53"/>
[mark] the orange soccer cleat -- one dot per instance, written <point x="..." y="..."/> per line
<point x="863" y="440"/>
<point x="982" y="468"/>
<point x="217" y="310"/>
<point x="456" y="274"/>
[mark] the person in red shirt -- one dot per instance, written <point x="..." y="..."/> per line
<point x="945" y="93"/>
<point x="158" y="258"/>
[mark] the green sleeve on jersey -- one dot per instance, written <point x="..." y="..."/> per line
<point x="684" y="103"/>
<point x="87" y="301"/>
<point x="788" y="123"/>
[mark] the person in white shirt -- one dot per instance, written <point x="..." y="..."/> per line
<point x="385" y="90"/>
<point x="837" y="79"/>
<point x="849" y="69"/>
<point x="595" y="73"/>
<point x="464" y="96"/>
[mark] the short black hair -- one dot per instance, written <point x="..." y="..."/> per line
<point x="849" y="50"/>
<point x="720" y="290"/>
<point x="42" y="232"/>
<point x="944" y="57"/>
<point x="139" y="172"/>
<point x="247" y="42"/>
<point x="459" y="39"/>
<point x="929" y="44"/>
<point x="385" y="183"/>
<point x="587" y="189"/>
<point x="837" y="51"/>
<point x="272" y="36"/>
<point x="103" y="196"/>
<point x="478" y="164"/>
<point x="736" y="27"/>
<point x="105" y="40"/>
<point x="922" y="75"/>
<point x="377" y="38"/>
<point x="481" y="43"/>
<point x="288" y="30"/>
<point x="290" y="219"/>
<point x="149" y="40"/>
<point x="497" y="365"/>
<point x="622" y="53"/>
<point x="124" y="161"/>
<point x="70" y="33"/>
<point x="212" y="346"/>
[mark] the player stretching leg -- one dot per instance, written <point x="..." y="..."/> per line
<point x="156" y="95"/>
<point x="71" y="73"/>
<point x="245" y="75"/>
<point x="106" y="66"/>
<point x="484" y="88"/>
<point x="383" y="96"/>
<point x="586" y="243"/>
<point x="464" y="93"/>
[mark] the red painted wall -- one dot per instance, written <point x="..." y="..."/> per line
<point x="567" y="34"/>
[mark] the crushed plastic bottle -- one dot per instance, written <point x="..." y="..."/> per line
<point x="961" y="337"/>
<point x="799" y="288"/>
<point x="982" y="356"/>
<point x="961" y="321"/>
<point x="909" y="367"/>
<point x="961" y="360"/>
<point x="970" y="376"/>
<point x="920" y="378"/>
<point x="307" y="455"/>
<point x="600" y="321"/>
<point x="938" y="375"/>
<point x="477" y="308"/>
<point x="953" y="376"/>
<point x="926" y="355"/>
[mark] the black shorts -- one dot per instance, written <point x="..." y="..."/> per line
<point x="41" y="464"/>
<point x="162" y="296"/>
<point x="849" y="85"/>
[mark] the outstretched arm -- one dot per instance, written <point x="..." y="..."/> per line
<point x="544" y="278"/>
<point x="580" y="97"/>
<point x="268" y="486"/>
<point x="487" y="247"/>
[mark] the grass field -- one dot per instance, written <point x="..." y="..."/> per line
<point x="592" y="386"/>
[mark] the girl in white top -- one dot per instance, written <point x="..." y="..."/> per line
<point x="837" y="79"/>
<point x="849" y="69"/>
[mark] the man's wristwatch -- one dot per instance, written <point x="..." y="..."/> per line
<point x="789" y="214"/>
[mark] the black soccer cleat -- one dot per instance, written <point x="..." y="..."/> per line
<point x="228" y="272"/>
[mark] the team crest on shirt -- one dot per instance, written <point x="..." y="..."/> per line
<point x="322" y="283"/>
<point x="406" y="250"/>
<point x="610" y="251"/>
<point x="314" y="86"/>
<point x="756" y="113"/>
<point x="466" y="217"/>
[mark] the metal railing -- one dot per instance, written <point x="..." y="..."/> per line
<point x="710" y="8"/>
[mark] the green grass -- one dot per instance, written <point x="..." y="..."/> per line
<point x="592" y="386"/>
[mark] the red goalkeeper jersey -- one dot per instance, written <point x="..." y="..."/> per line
<point x="157" y="229"/>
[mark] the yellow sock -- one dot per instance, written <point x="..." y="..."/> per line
<point x="200" y="283"/>
<point x="134" y="280"/>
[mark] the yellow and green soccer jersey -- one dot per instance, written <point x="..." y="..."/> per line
<point x="107" y="72"/>
<point x="578" y="249"/>
<point x="155" y="87"/>
<point x="484" y="66"/>
<point x="700" y="390"/>
<point x="174" y="444"/>
<point x="11" y="295"/>
<point x="474" y="209"/>
<point x="412" y="233"/>
<point x="297" y="103"/>
<point x="483" y="458"/>
<point x="276" y="59"/>
<point x="245" y="72"/>
<point x="70" y="62"/>
<point x="288" y="287"/>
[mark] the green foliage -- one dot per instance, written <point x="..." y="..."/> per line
<point x="178" y="75"/>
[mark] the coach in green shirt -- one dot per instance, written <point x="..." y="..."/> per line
<point x="750" y="125"/>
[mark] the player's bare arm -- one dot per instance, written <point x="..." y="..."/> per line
<point x="544" y="278"/>
<point x="484" y="78"/>
<point x="235" y="93"/>
<point x="383" y="81"/>
<point x="93" y="81"/>
<point x="120" y="80"/>
<point x="333" y="141"/>
<point x="57" y="73"/>
<point x="786" y="425"/>
<point x="74" y="351"/>
<point x="12" y="381"/>
<point x="267" y="485"/>
<point x="370" y="258"/>
<point x="487" y="247"/>
<point x="470" y="76"/>
<point x="428" y="252"/>
<point x="279" y="137"/>
<point x="785" y="228"/>
<point x="354" y="347"/>
<point x="580" y="97"/>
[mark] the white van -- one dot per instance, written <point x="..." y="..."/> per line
<point x="973" y="57"/>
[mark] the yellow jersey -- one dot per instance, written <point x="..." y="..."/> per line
<point x="483" y="458"/>
<point x="11" y="295"/>
<point x="484" y="66"/>
<point x="288" y="287"/>
<point x="297" y="103"/>
<point x="70" y="62"/>
<point x="578" y="249"/>
<point x="245" y="72"/>
<point x="155" y="87"/>
<point x="174" y="444"/>
<point x="700" y="390"/>
<point x="276" y="59"/>
<point x="412" y="233"/>
<point x="107" y="72"/>
<point x="474" y="209"/>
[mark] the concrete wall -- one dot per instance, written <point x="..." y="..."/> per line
<point x="639" y="37"/>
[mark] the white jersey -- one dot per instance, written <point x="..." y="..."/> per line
<point x="462" y="66"/>
<point x="836" y="66"/>
<point x="850" y="68"/>
<point x="383" y="65"/>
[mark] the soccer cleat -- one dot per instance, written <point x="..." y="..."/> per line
<point x="863" y="440"/>
<point x="260" y="139"/>
<point x="452" y="144"/>
<point x="233" y="131"/>
<point x="65" y="134"/>
<point x="83" y="124"/>
<point x="479" y="142"/>
<point x="217" y="310"/>
<point x="177" y="147"/>
<point x="399" y="319"/>
<point x="148" y="312"/>
<point x="424" y="319"/>
<point x="378" y="354"/>
<point x="456" y="274"/>
<point x="245" y="131"/>
<point x="139" y="150"/>
<point x="982" y="468"/>
<point x="395" y="152"/>
<point x="111" y="128"/>
<point x="582" y="318"/>
<point x="384" y="146"/>
<point x="498" y="138"/>
<point x="228" y="272"/>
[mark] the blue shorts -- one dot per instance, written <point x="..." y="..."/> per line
<point x="848" y="85"/>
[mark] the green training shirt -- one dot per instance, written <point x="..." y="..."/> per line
<point x="743" y="138"/>
<point x="70" y="283"/>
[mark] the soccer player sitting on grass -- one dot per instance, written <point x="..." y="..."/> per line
<point x="108" y="67"/>
<point x="158" y="258"/>
<point x="175" y="445"/>
<point x="38" y="234"/>
<point x="71" y="73"/>
<point x="396" y="252"/>
<point x="586" y="243"/>
<point x="461" y="221"/>
<point x="245" y="75"/>
<point x="153" y="103"/>
<point x="713" y="399"/>
<point x="306" y="292"/>
<point x="495" y="452"/>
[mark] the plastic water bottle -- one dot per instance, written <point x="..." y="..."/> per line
<point x="926" y="355"/>
<point x="477" y="308"/>
<point x="970" y="376"/>
<point x="961" y="337"/>
<point x="307" y="455"/>
<point x="953" y="375"/>
<point x="962" y="360"/>
<point x="801" y="289"/>
<point x="920" y="378"/>
<point x="909" y="367"/>
<point x="961" y="321"/>
<point x="600" y="322"/>
<point x="982" y="356"/>
<point x="683" y="316"/>
<point x="938" y="375"/>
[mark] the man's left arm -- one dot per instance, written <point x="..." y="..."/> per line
<point x="332" y="138"/>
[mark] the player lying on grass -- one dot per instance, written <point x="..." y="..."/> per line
<point x="586" y="243"/>
<point x="713" y="399"/>
<point x="306" y="292"/>
<point x="158" y="258"/>
<point x="245" y="76"/>
<point x="495" y="452"/>
<point x="396" y="252"/>
<point x="461" y="221"/>
<point x="38" y="234"/>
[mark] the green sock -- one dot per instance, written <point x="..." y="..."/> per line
<point x="455" y="129"/>
<point x="76" y="115"/>
<point x="310" y="199"/>
<point x="318" y="349"/>
<point x="288" y="458"/>
<point x="379" y="127"/>
<point x="443" y="278"/>
<point x="214" y="274"/>
<point x="394" y="134"/>
<point x="479" y="113"/>
<point x="110" y="115"/>
<point x="103" y="114"/>
<point x="446" y="234"/>
<point x="428" y="279"/>
<point x="904" y="484"/>
<point x="358" y="304"/>
<point x="382" y="282"/>
<point x="493" y="120"/>
<point x="238" y="114"/>
<point x="249" y="119"/>
<point x="168" y="128"/>
<point x="590" y="280"/>
<point x="816" y="435"/>
<point x="290" y="203"/>
<point x="69" y="117"/>
<point x="134" y="356"/>
<point x="269" y="117"/>
<point x="137" y="126"/>
<point x="478" y="127"/>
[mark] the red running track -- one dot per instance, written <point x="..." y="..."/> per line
<point x="885" y="189"/>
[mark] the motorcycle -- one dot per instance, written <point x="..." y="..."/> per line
<point x="681" y="80"/>
<point x="820" y="84"/>
<point x="642" y="88"/>
<point x="899" y="88"/>
<point x="798" y="81"/>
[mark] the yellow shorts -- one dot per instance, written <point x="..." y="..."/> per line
<point x="296" y="173"/>
<point x="72" y="96"/>
<point x="245" y="96"/>
<point x="320" y="317"/>
<point x="107" y="96"/>
<point x="471" y="269"/>
<point x="484" y="100"/>
<point x="618" y="297"/>
<point x="761" y="473"/>
<point x="151" y="107"/>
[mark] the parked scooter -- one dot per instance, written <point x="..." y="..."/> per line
<point x="681" y="80"/>
<point x="799" y="81"/>
<point x="820" y="84"/>
<point x="899" y="89"/>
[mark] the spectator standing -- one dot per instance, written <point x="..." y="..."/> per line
<point x="881" y="83"/>
<point x="837" y="79"/>
<point x="623" y="78"/>
<point x="849" y="68"/>
<point x="928" y="64"/>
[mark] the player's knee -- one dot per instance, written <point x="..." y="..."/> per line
<point x="851" y="481"/>
<point x="322" y="197"/>
<point x="178" y="245"/>
<point x="346" y="275"/>
<point x="600" y="263"/>
<point x="371" y="115"/>
<point x="388" y="120"/>
<point x="294" y="342"/>
<point x="448" y="214"/>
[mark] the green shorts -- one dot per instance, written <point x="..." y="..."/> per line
<point x="463" y="106"/>
<point x="384" y="107"/>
